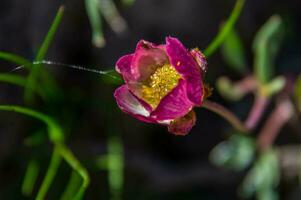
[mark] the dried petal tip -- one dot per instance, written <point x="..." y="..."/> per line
<point x="183" y="125"/>
<point x="200" y="58"/>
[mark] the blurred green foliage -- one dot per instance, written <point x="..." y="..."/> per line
<point x="30" y="177"/>
<point x="263" y="178"/>
<point x="233" y="52"/>
<point x="266" y="45"/>
<point x="96" y="9"/>
<point x="226" y="29"/>
<point x="235" y="153"/>
<point x="36" y="69"/>
<point x="229" y="90"/>
<point x="96" y="23"/>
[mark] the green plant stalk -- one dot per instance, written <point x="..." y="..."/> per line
<point x="265" y="47"/>
<point x="221" y="36"/>
<point x="13" y="79"/>
<point x="19" y="81"/>
<point x="72" y="186"/>
<point x="95" y="21"/>
<point x="54" y="131"/>
<point x="76" y="165"/>
<point x="110" y="12"/>
<point x="60" y="150"/>
<point x="115" y="164"/>
<point x="15" y="59"/>
<point x="50" y="174"/>
<point x="32" y="78"/>
<point x="30" y="177"/>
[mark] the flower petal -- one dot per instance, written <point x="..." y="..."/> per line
<point x="129" y="104"/>
<point x="123" y="66"/>
<point x="183" y="125"/>
<point x="185" y="64"/>
<point x="147" y="58"/>
<point x="174" y="105"/>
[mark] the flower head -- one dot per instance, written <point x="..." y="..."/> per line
<point x="162" y="84"/>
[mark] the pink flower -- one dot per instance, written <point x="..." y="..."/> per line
<point x="162" y="84"/>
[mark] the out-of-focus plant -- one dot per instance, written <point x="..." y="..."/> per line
<point x="263" y="177"/>
<point x="55" y="132"/>
<point x="106" y="8"/>
<point x="236" y="153"/>
<point x="60" y="151"/>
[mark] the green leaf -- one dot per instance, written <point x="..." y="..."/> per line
<point x="50" y="35"/>
<point x="68" y="156"/>
<point x="223" y="33"/>
<point x="266" y="45"/>
<point x="32" y="78"/>
<point x="274" y="86"/>
<point x="54" y="130"/>
<point x="30" y="177"/>
<point x="111" y="77"/>
<point x="112" y="16"/>
<point x="15" y="59"/>
<point x="115" y="163"/>
<point x="56" y="136"/>
<point x="128" y="2"/>
<point x="36" y="138"/>
<point x="95" y="21"/>
<point x="267" y="194"/>
<point x="72" y="186"/>
<point x="228" y="90"/>
<point x="263" y="176"/>
<point x="235" y="153"/>
<point x="50" y="174"/>
<point x="233" y="52"/>
<point x="19" y="81"/>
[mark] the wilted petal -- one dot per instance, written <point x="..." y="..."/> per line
<point x="174" y="105"/>
<point x="185" y="64"/>
<point x="129" y="104"/>
<point x="200" y="58"/>
<point x="183" y="125"/>
<point x="147" y="58"/>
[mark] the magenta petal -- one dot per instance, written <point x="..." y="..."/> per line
<point x="123" y="66"/>
<point x="185" y="64"/>
<point x="129" y="104"/>
<point x="147" y="58"/>
<point x="174" y="105"/>
<point x="183" y="125"/>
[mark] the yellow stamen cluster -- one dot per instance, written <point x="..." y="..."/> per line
<point x="159" y="84"/>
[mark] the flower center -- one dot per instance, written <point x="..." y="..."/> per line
<point x="159" y="84"/>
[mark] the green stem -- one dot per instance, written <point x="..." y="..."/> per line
<point x="51" y="172"/>
<point x="30" y="177"/>
<point x="76" y="165"/>
<point x="223" y="33"/>
<point x="72" y="186"/>
<point x="31" y="80"/>
<point x="54" y="130"/>
<point x="15" y="59"/>
<point x="60" y="150"/>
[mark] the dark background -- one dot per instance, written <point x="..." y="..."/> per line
<point x="158" y="165"/>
